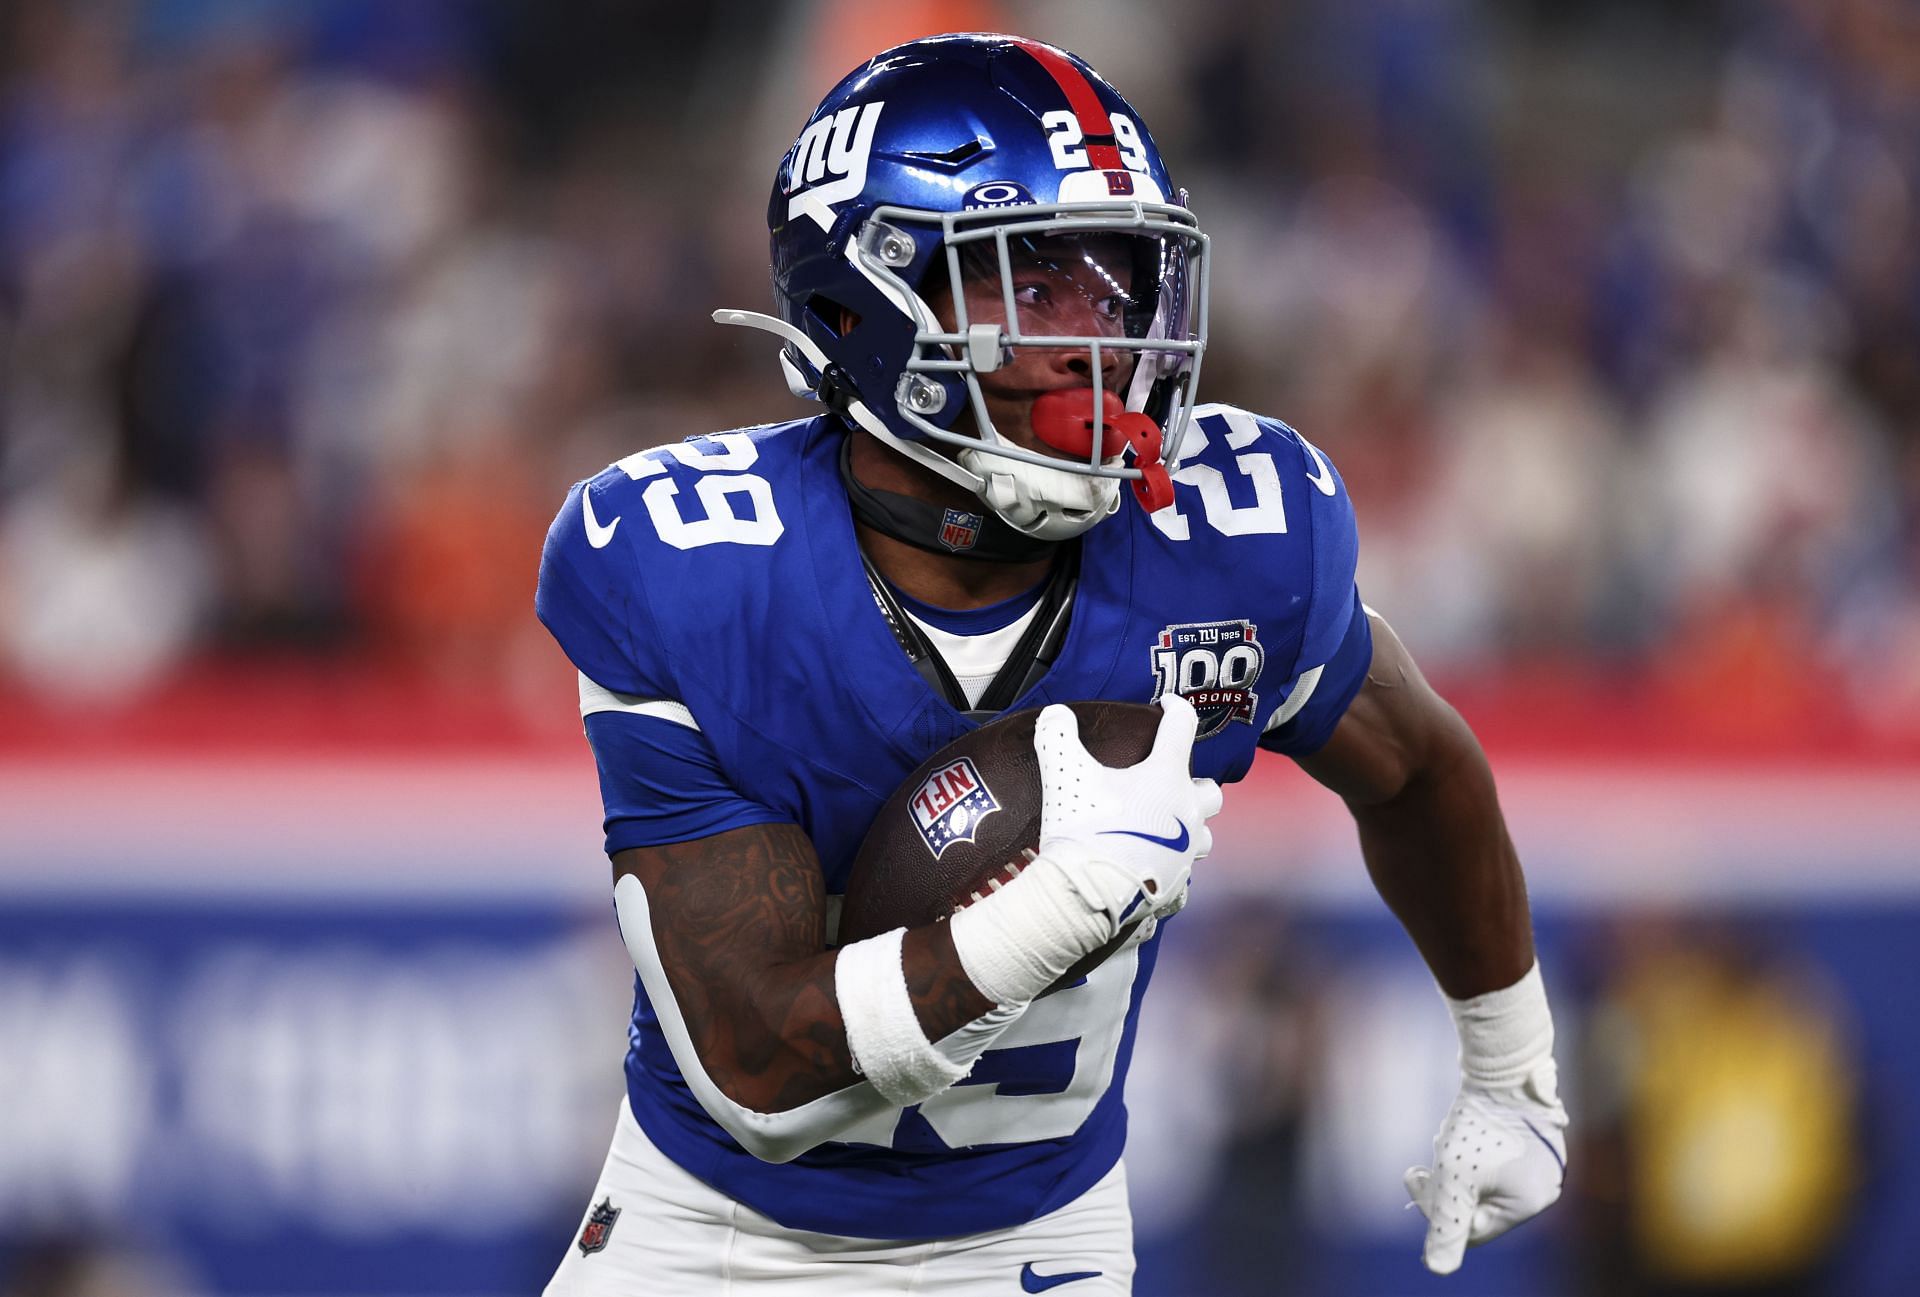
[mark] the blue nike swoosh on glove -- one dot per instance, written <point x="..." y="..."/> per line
<point x="1175" y="843"/>
<point x="1031" y="1282"/>
<point x="1549" y="1143"/>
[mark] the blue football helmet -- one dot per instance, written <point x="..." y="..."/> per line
<point x="939" y="165"/>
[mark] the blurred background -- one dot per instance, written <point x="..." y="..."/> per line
<point x="310" y="310"/>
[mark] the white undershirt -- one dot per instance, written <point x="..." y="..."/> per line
<point x="976" y="659"/>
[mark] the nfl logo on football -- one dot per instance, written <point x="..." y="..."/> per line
<point x="960" y="530"/>
<point x="949" y="805"/>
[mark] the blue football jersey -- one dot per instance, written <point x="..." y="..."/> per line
<point x="720" y="578"/>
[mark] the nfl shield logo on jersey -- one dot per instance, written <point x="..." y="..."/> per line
<point x="1213" y="665"/>
<point x="599" y="1225"/>
<point x="949" y="805"/>
<point x="960" y="530"/>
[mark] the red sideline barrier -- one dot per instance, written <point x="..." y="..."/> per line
<point x="347" y="707"/>
<point x="351" y="777"/>
<point x="334" y="708"/>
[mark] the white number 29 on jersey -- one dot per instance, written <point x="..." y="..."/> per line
<point x="1087" y="1021"/>
<point x="721" y="483"/>
<point x="1091" y="1017"/>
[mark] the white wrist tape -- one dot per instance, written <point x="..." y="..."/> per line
<point x="1505" y="1035"/>
<point x="1016" y="942"/>
<point x="883" y="1032"/>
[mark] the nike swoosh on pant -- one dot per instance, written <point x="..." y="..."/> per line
<point x="1031" y="1282"/>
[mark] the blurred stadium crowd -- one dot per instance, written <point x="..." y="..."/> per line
<point x="1610" y="313"/>
<point x="1608" y="310"/>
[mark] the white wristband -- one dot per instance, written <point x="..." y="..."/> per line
<point x="1017" y="941"/>
<point x="889" y="1046"/>
<point x="1504" y="1035"/>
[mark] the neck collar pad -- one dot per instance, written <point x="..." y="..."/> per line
<point x="960" y="533"/>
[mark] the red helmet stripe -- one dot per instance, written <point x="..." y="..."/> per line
<point x="1095" y="125"/>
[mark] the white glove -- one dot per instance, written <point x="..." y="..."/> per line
<point x="1501" y="1155"/>
<point x="1127" y="836"/>
<point x="1116" y="844"/>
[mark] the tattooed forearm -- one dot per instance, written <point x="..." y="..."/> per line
<point x="944" y="998"/>
<point x="740" y="922"/>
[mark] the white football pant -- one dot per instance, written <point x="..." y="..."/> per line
<point x="675" y="1235"/>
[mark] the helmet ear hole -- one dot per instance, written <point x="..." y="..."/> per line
<point x="837" y="319"/>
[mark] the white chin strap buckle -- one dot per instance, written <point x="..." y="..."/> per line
<point x="1045" y="503"/>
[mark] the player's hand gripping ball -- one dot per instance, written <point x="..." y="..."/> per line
<point x="969" y="820"/>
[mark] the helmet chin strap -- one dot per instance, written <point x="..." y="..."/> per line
<point x="1045" y="503"/>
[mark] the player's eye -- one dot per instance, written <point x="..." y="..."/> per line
<point x="1033" y="293"/>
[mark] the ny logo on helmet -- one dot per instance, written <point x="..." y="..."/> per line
<point x="836" y="147"/>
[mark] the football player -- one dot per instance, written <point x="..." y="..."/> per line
<point x="984" y="272"/>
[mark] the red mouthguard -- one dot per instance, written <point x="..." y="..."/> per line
<point x="1064" y="420"/>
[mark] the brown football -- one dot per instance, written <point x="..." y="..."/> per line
<point x="968" y="820"/>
